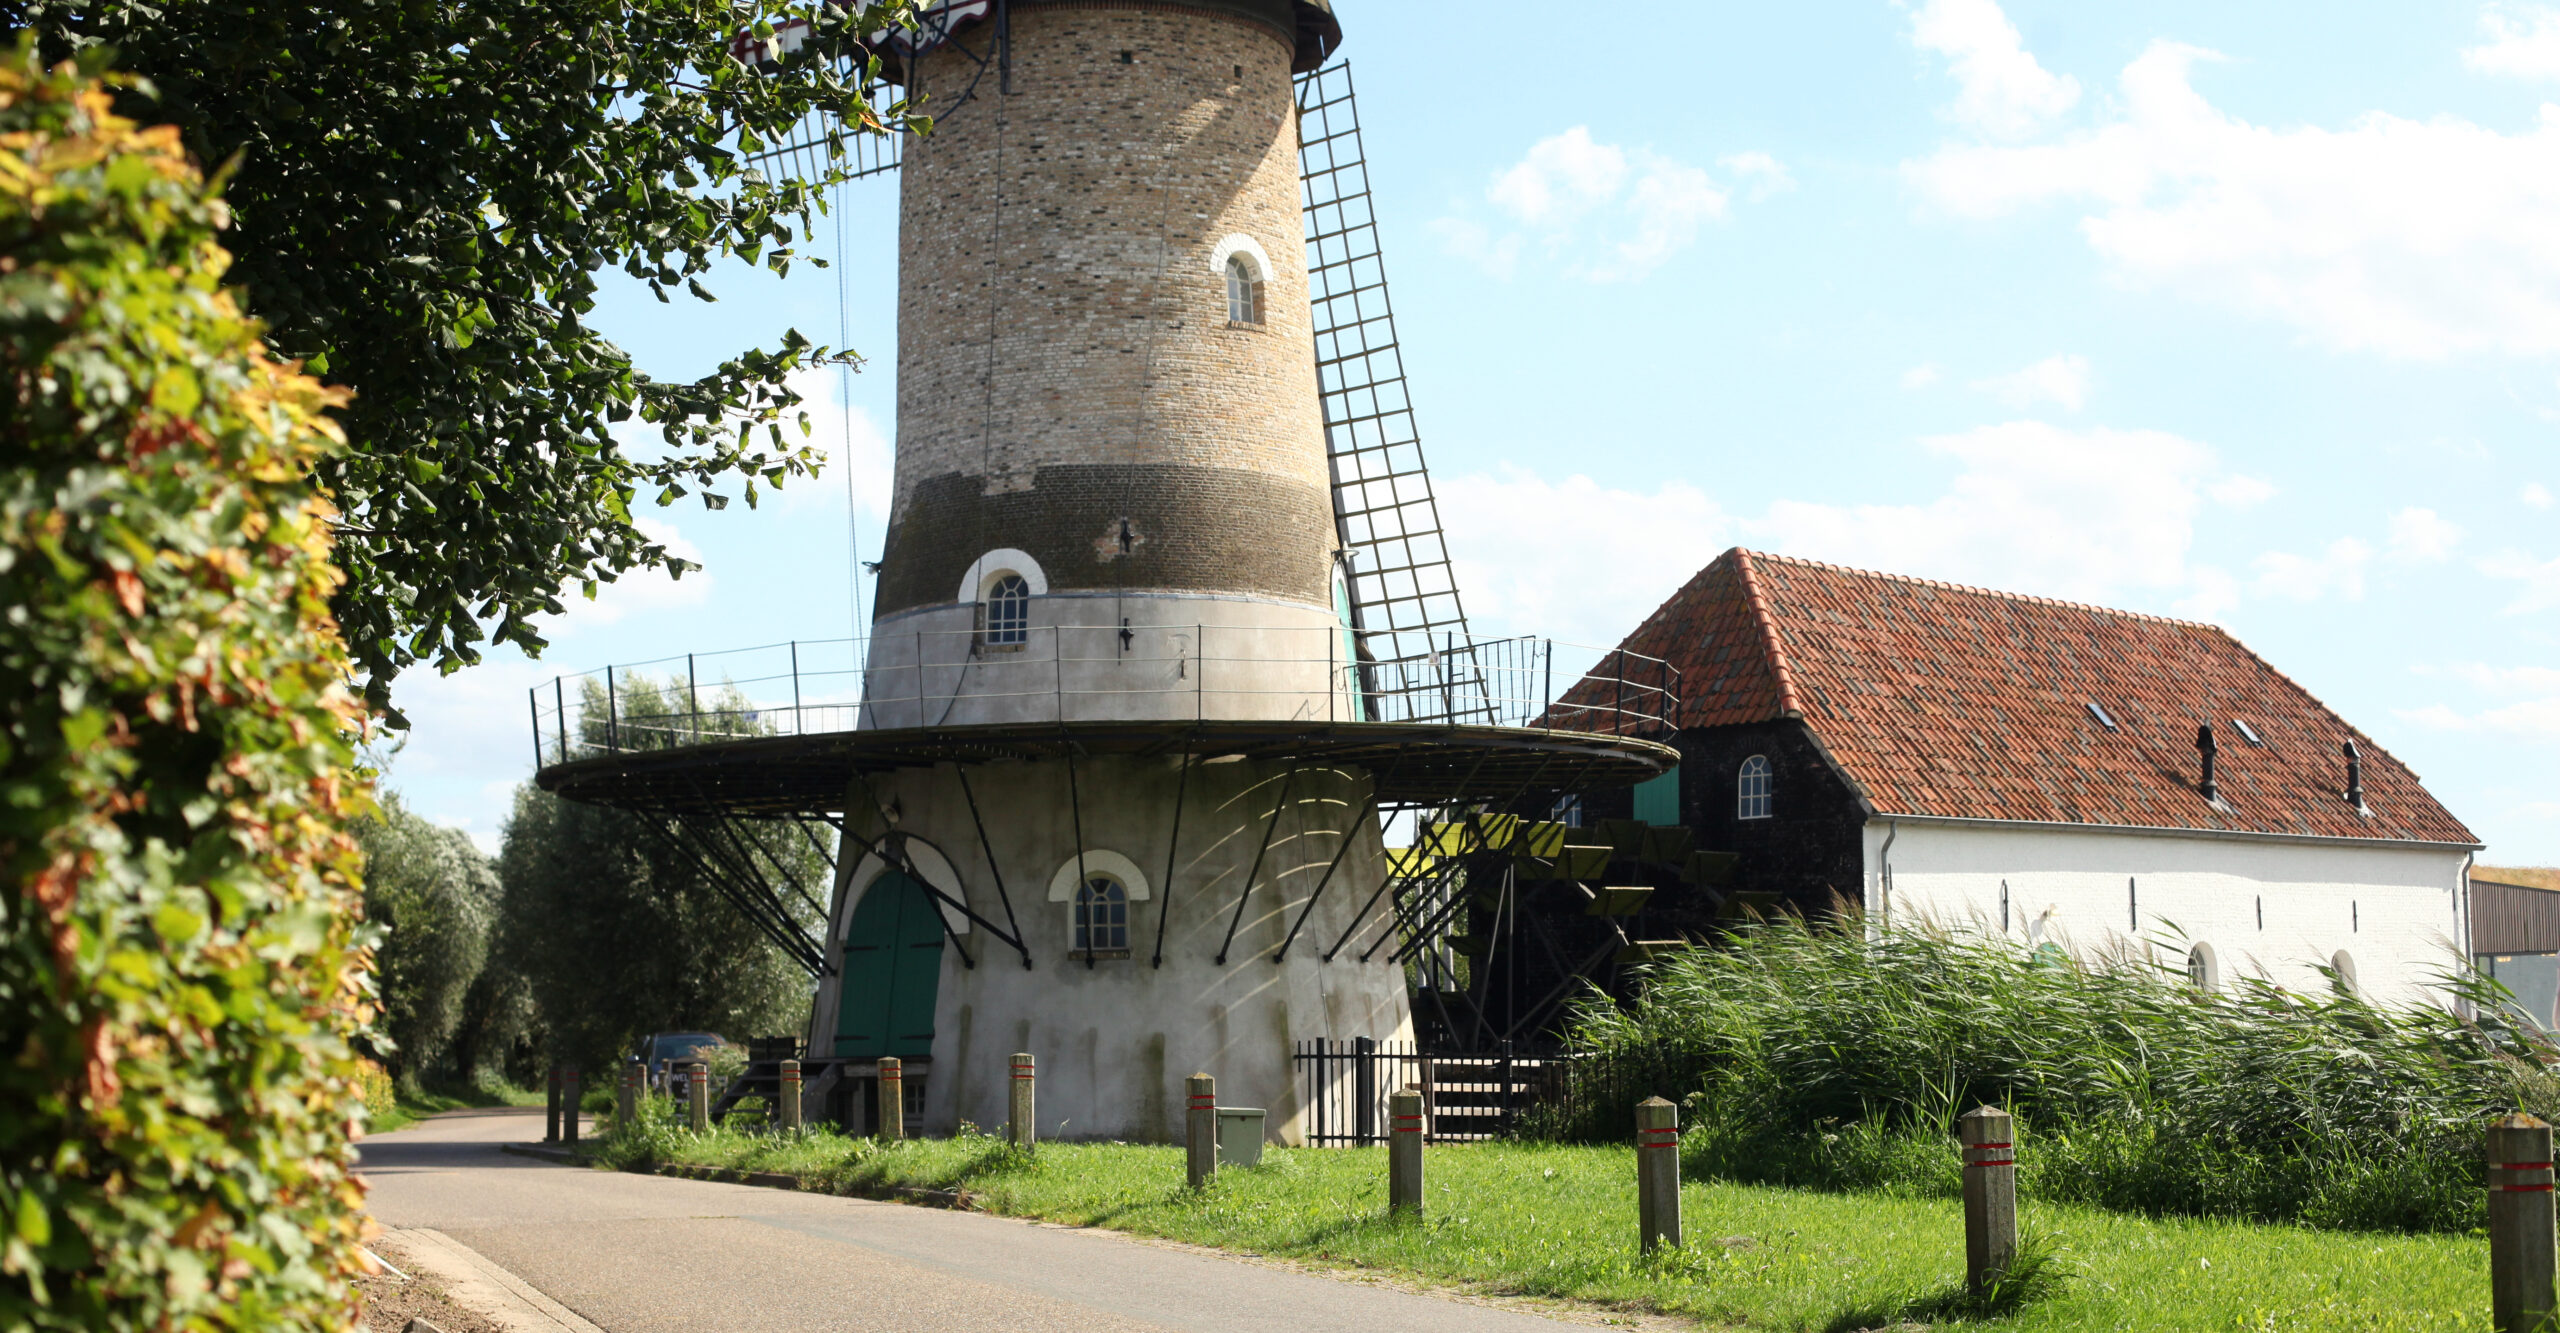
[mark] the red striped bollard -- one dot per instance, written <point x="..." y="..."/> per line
<point x="1200" y="1129"/>
<point x="1990" y="1143"/>
<point x="786" y="1094"/>
<point x="1018" y="1122"/>
<point x="1658" y="1172"/>
<point x="1404" y="1151"/>
<point x="698" y="1084"/>
<point x="2521" y="1295"/>
<point x="890" y="1118"/>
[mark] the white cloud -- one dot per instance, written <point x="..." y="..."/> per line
<point x="1764" y="174"/>
<point x="1589" y="585"/>
<point x="2062" y="380"/>
<point x="1602" y="212"/>
<point x="1920" y="376"/>
<point x="2239" y="492"/>
<point x="2306" y="578"/>
<point x="640" y="592"/>
<point x="2524" y="41"/>
<point x="833" y="425"/>
<point x="2093" y="515"/>
<point x="2541" y="580"/>
<point x="2411" y="238"/>
<point x="2421" y="535"/>
<point x="2000" y="89"/>
<point x="2536" y="495"/>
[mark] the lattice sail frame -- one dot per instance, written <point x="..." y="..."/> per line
<point x="1404" y="591"/>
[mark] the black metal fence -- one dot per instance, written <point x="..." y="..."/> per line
<point x="1469" y="1098"/>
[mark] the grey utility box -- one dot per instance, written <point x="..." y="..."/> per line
<point x="1240" y="1135"/>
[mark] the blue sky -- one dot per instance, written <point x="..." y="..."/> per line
<point x="2248" y="314"/>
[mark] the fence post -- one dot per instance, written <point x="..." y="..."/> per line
<point x="1364" y="1090"/>
<point x="787" y="1097"/>
<point x="697" y="1077"/>
<point x="1990" y="1194"/>
<point x="2521" y="1295"/>
<point x="1019" y="1125"/>
<point x="1200" y="1128"/>
<point x="890" y="1121"/>
<point x="626" y="1097"/>
<point x="569" y="1094"/>
<point x="1404" y="1150"/>
<point x="1658" y="1173"/>
<point x="551" y="1106"/>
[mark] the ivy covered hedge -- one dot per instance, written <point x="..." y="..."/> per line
<point x="178" y="980"/>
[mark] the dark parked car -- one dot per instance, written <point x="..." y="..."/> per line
<point x="661" y="1052"/>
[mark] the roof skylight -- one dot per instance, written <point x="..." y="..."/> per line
<point x="2247" y="734"/>
<point x="2101" y="714"/>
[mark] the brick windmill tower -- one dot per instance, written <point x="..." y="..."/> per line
<point x="1112" y="790"/>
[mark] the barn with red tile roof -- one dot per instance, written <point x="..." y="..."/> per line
<point x="2049" y="770"/>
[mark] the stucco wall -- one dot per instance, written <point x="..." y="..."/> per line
<point x="2275" y="908"/>
<point x="1116" y="1037"/>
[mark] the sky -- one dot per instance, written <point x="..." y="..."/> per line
<point x="2244" y="314"/>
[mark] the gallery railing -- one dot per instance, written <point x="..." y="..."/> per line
<point x="1098" y="672"/>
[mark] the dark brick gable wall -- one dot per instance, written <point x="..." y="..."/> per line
<point x="1810" y="848"/>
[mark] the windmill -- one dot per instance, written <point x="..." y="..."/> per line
<point x="1165" y="630"/>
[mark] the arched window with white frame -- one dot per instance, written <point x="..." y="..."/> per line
<point x="2204" y="969"/>
<point x="1099" y="921"/>
<point x="1752" y="789"/>
<point x="1004" y="611"/>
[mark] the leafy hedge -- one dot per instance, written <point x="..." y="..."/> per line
<point x="1812" y="1055"/>
<point x="178" y="977"/>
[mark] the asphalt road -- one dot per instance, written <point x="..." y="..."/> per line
<point x="637" y="1254"/>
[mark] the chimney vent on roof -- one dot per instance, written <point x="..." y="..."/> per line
<point x="2355" y="777"/>
<point x="2204" y="747"/>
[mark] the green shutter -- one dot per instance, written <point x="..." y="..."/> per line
<point x="1658" y="798"/>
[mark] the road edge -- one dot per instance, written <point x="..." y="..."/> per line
<point x="471" y="1281"/>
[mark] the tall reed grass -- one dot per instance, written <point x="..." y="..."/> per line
<point x="1810" y="1054"/>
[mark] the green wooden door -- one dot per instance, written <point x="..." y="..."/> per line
<point x="892" y="966"/>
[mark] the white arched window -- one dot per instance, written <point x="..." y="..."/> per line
<point x="1004" y="611"/>
<point x="1751" y="789"/>
<point x="1244" y="291"/>
<point x="2342" y="968"/>
<point x="2203" y="969"/>
<point x="1099" y="923"/>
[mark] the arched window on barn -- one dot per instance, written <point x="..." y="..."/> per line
<point x="2204" y="969"/>
<point x="1752" y="789"/>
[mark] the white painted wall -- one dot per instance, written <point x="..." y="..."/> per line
<point x="1114" y="1039"/>
<point x="2396" y="910"/>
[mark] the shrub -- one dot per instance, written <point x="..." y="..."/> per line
<point x="1817" y="1056"/>
<point x="178" y="977"/>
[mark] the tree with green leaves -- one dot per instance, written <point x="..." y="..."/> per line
<point x="425" y="194"/>
<point x="435" y="900"/>
<point x="619" y="932"/>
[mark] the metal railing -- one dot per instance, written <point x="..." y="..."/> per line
<point x="1081" y="673"/>
<point x="1344" y="1087"/>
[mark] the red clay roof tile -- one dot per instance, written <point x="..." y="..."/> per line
<point x="1938" y="699"/>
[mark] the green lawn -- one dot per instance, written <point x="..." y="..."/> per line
<point x="1560" y="1221"/>
<point x="414" y="1107"/>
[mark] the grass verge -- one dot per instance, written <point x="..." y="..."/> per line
<point x="410" y="1107"/>
<point x="1559" y="1221"/>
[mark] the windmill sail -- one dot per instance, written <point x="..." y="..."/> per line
<point x="1404" y="594"/>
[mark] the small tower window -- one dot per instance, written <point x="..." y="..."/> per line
<point x="1101" y="919"/>
<point x="1752" y="788"/>
<point x="1244" y="291"/>
<point x="1004" y="613"/>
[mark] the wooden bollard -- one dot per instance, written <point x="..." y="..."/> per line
<point x="1018" y="1125"/>
<point x="626" y="1097"/>
<point x="569" y="1094"/>
<point x="1404" y="1151"/>
<point x="551" y="1106"/>
<point x="1200" y="1129"/>
<point x="697" y="1077"/>
<point x="2521" y="1237"/>
<point x="787" y="1098"/>
<point x="892" y="1115"/>
<point x="1658" y="1172"/>
<point x="1990" y="1139"/>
